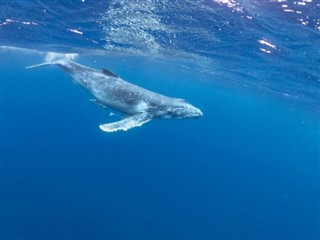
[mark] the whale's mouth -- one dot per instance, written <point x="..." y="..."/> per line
<point x="187" y="112"/>
<point x="199" y="113"/>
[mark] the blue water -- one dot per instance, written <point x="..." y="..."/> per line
<point x="248" y="169"/>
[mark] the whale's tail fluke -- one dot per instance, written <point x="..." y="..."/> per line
<point x="41" y="65"/>
<point x="66" y="64"/>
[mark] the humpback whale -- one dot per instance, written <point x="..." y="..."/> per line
<point x="139" y="105"/>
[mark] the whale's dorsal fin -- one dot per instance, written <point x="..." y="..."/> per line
<point x="109" y="73"/>
<point x="127" y="123"/>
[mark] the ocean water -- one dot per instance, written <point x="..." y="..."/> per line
<point x="248" y="169"/>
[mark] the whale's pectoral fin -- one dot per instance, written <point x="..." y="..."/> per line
<point x="127" y="123"/>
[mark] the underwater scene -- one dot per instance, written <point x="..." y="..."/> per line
<point x="160" y="119"/>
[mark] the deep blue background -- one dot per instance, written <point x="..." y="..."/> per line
<point x="248" y="169"/>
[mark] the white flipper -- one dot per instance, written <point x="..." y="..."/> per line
<point x="127" y="123"/>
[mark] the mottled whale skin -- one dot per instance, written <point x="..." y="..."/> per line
<point x="139" y="104"/>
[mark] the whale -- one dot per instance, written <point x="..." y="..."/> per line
<point x="136" y="104"/>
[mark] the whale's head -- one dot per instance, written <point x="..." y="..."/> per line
<point x="183" y="109"/>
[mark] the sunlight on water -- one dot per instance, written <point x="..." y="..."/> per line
<point x="130" y="24"/>
<point x="231" y="4"/>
